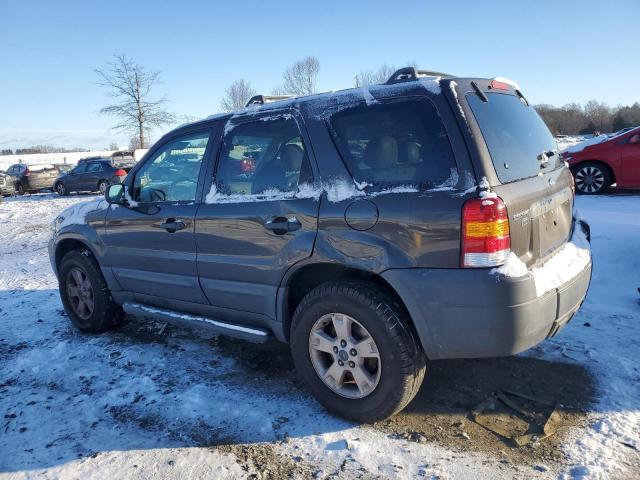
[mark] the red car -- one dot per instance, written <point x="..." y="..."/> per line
<point x="596" y="166"/>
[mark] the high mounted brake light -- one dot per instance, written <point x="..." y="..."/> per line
<point x="485" y="233"/>
<point x="498" y="85"/>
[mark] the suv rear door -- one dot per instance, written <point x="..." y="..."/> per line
<point x="519" y="159"/>
<point x="150" y="245"/>
<point x="255" y="223"/>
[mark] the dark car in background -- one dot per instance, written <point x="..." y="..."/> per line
<point x="91" y="175"/>
<point x="32" y="178"/>
<point x="6" y="184"/>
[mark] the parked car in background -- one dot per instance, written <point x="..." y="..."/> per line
<point x="31" y="178"/>
<point x="597" y="166"/>
<point x="90" y="175"/>
<point x="6" y="184"/>
<point x="372" y="229"/>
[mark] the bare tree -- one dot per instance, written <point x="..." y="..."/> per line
<point x="599" y="114"/>
<point x="237" y="95"/>
<point x="300" y="78"/>
<point x="373" y="77"/>
<point x="113" y="146"/>
<point x="131" y="85"/>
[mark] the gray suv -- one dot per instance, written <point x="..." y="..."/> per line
<point x="372" y="229"/>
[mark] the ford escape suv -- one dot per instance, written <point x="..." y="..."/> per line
<point x="430" y="217"/>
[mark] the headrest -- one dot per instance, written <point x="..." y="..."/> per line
<point x="381" y="152"/>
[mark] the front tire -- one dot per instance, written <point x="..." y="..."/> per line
<point x="354" y="348"/>
<point x="19" y="189"/>
<point x="85" y="295"/>
<point x="61" y="190"/>
<point x="591" y="178"/>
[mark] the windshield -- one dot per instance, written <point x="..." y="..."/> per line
<point x="515" y="135"/>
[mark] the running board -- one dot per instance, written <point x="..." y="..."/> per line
<point x="251" y="334"/>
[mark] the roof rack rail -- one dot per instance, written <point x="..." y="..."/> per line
<point x="408" y="74"/>
<point x="263" y="99"/>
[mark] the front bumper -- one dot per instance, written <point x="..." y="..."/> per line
<point x="470" y="313"/>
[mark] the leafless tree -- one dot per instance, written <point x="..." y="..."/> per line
<point x="373" y="77"/>
<point x="599" y="114"/>
<point x="237" y="95"/>
<point x="131" y="85"/>
<point x="300" y="78"/>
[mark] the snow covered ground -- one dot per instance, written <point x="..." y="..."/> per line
<point x="139" y="402"/>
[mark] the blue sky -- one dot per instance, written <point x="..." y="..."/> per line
<point x="558" y="51"/>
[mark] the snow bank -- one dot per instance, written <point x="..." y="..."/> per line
<point x="508" y="82"/>
<point x="562" y="267"/>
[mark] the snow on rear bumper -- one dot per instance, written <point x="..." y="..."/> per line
<point x="471" y="313"/>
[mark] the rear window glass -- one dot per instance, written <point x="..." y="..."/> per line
<point x="515" y="135"/>
<point x="397" y="143"/>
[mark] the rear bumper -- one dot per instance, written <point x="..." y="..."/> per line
<point x="469" y="313"/>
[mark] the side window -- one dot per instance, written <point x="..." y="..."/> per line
<point x="80" y="168"/>
<point x="94" y="167"/>
<point x="172" y="173"/>
<point x="265" y="156"/>
<point x="396" y="143"/>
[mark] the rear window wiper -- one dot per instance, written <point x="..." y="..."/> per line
<point x="544" y="157"/>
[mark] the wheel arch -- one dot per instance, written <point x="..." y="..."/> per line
<point x="307" y="277"/>
<point x="67" y="245"/>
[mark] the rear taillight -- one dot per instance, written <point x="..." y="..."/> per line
<point x="120" y="173"/>
<point x="485" y="233"/>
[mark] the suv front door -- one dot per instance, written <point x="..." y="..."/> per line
<point x="259" y="217"/>
<point x="150" y="244"/>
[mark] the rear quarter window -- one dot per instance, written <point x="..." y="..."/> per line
<point x="401" y="142"/>
<point x="515" y="135"/>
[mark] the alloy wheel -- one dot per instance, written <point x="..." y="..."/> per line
<point x="102" y="186"/>
<point x="80" y="293"/>
<point x="589" y="179"/>
<point x="344" y="355"/>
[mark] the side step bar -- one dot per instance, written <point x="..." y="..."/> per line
<point x="251" y="334"/>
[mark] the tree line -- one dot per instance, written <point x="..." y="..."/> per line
<point x="594" y="117"/>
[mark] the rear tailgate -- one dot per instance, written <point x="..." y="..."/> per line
<point x="42" y="176"/>
<point x="520" y="161"/>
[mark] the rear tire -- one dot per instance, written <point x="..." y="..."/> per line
<point x="102" y="186"/>
<point x="591" y="178"/>
<point x="19" y="189"/>
<point x="81" y="283"/>
<point x="393" y="379"/>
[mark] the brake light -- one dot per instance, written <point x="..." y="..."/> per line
<point x="485" y="233"/>
<point x="498" y="85"/>
<point x="120" y="173"/>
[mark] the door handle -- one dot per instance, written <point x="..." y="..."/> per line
<point x="172" y="225"/>
<point x="282" y="225"/>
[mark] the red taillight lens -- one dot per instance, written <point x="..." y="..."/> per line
<point x="27" y="172"/>
<point x="120" y="173"/>
<point x="485" y="233"/>
<point x="497" y="85"/>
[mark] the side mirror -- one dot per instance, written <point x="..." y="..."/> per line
<point x="115" y="194"/>
<point x="634" y="139"/>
